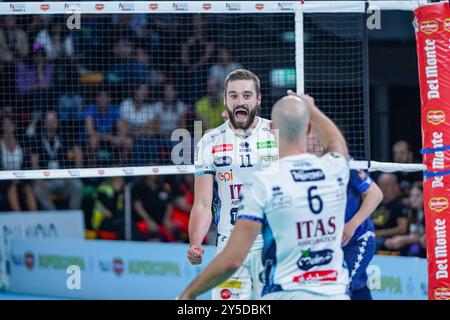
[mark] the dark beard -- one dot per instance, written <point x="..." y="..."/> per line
<point x="244" y="126"/>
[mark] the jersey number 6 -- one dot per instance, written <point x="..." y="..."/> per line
<point x="314" y="201"/>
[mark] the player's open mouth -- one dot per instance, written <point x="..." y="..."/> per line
<point x="240" y="114"/>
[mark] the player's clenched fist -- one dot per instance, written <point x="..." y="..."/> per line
<point x="195" y="254"/>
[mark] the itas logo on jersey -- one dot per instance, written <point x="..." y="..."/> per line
<point x="307" y="175"/>
<point x="310" y="259"/>
<point x="225" y="176"/>
<point x="316" y="231"/>
<point x="235" y="192"/>
<point x="222" y="148"/>
<point x="223" y="161"/>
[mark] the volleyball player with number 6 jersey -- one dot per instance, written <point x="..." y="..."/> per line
<point x="299" y="205"/>
<point x="223" y="157"/>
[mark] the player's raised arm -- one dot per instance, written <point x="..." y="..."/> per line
<point x="327" y="132"/>
<point x="201" y="216"/>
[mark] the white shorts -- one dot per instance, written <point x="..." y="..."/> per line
<point x="302" y="295"/>
<point x="245" y="283"/>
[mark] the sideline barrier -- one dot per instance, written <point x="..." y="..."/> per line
<point x="36" y="225"/>
<point x="108" y="269"/>
<point x="142" y="270"/>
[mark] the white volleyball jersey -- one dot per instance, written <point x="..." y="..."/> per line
<point x="302" y="208"/>
<point x="229" y="157"/>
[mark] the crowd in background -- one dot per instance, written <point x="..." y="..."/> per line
<point x="47" y="122"/>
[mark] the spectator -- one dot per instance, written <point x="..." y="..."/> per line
<point x="183" y="200"/>
<point x="196" y="54"/>
<point x="410" y="244"/>
<point x="138" y="113"/>
<point x="402" y="153"/>
<point x="108" y="215"/>
<point x="390" y="218"/>
<point x="210" y="107"/>
<point x="13" y="157"/>
<point x="105" y="133"/>
<point x="51" y="152"/>
<point x="223" y="67"/>
<point x="170" y="111"/>
<point x="13" y="48"/>
<point x="56" y="40"/>
<point x="153" y="204"/>
<point x="142" y="124"/>
<point x="34" y="80"/>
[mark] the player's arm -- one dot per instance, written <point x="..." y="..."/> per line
<point x="201" y="216"/>
<point x="327" y="132"/>
<point x="227" y="262"/>
<point x="371" y="197"/>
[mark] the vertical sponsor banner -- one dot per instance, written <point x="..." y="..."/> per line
<point x="432" y="24"/>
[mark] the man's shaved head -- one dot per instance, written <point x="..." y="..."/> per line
<point x="290" y="116"/>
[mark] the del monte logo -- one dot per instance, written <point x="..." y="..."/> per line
<point x="438" y="204"/>
<point x="429" y="26"/>
<point x="29" y="260"/>
<point x="435" y="117"/>
<point x="118" y="266"/>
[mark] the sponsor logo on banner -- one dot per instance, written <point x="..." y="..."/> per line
<point x="126" y="7"/>
<point x="446" y="24"/>
<point x="71" y="6"/>
<point x="180" y="6"/>
<point x="128" y="171"/>
<point x="231" y="284"/>
<point x="285" y="6"/>
<point x="74" y="173"/>
<point x="222" y="148"/>
<point x="46" y="173"/>
<point x="233" y="6"/>
<point x="225" y="294"/>
<point x="223" y="161"/>
<point x="207" y="6"/>
<point x="435" y="117"/>
<point x="311" y="259"/>
<point x="153" y="268"/>
<point x="266" y="144"/>
<point x="17" y="7"/>
<point x="307" y="175"/>
<point x="225" y="176"/>
<point x="155" y="170"/>
<point x="442" y="294"/>
<point x="429" y="26"/>
<point x="101" y="172"/>
<point x="45" y="7"/>
<point x="317" y="276"/>
<point x="259" y="6"/>
<point x="182" y="169"/>
<point x="29" y="260"/>
<point x="58" y="262"/>
<point x="118" y="266"/>
<point x="19" y="174"/>
<point x="153" y="6"/>
<point x="438" y="204"/>
<point x="99" y="6"/>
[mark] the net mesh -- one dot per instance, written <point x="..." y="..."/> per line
<point x="111" y="92"/>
